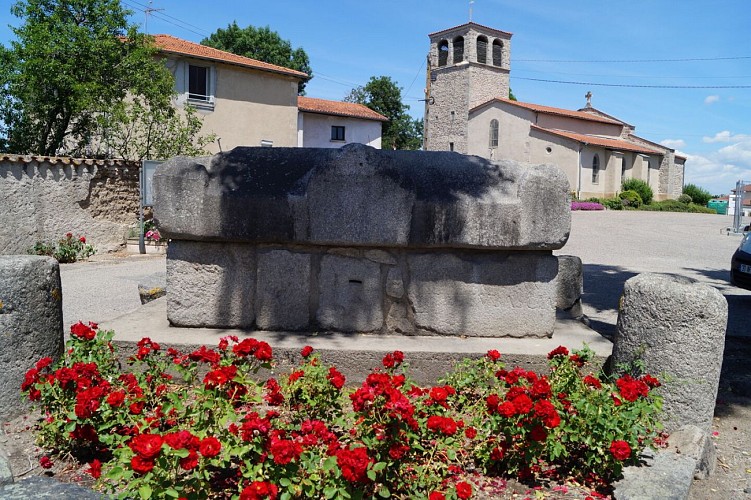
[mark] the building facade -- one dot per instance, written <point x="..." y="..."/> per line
<point x="332" y="124"/>
<point x="468" y="111"/>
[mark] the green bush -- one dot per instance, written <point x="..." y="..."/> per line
<point x="677" y="206"/>
<point x="684" y="198"/>
<point x="698" y="195"/>
<point x="612" y="203"/>
<point x="68" y="249"/>
<point x="630" y="199"/>
<point x="641" y="187"/>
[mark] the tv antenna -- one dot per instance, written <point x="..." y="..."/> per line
<point x="470" y="9"/>
<point x="147" y="11"/>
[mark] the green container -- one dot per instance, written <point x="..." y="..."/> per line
<point x="720" y="206"/>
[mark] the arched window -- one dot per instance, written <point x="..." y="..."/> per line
<point x="497" y="53"/>
<point x="443" y="53"/>
<point x="458" y="49"/>
<point x="493" y="133"/>
<point x="596" y="169"/>
<point x="482" y="49"/>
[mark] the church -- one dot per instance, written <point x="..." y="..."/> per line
<point x="468" y="110"/>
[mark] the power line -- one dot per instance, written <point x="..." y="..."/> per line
<point x="629" y="76"/>
<point x="691" y="59"/>
<point x="636" y="86"/>
<point x="166" y="18"/>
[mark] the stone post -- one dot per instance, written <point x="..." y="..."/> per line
<point x="676" y="327"/>
<point x="570" y="285"/>
<point x="31" y="322"/>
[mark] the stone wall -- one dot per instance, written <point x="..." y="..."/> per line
<point x="46" y="197"/>
<point x="362" y="240"/>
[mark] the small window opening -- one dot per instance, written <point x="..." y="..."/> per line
<point x="596" y="169"/>
<point x="337" y="133"/>
<point x="482" y="49"/>
<point x="451" y="146"/>
<point x="443" y="53"/>
<point x="198" y="83"/>
<point x="493" y="133"/>
<point x="458" y="49"/>
<point x="497" y="53"/>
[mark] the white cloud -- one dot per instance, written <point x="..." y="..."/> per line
<point x="710" y="99"/>
<point x="726" y="136"/>
<point x="673" y="143"/>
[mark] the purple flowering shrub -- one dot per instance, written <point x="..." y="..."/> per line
<point x="586" y="205"/>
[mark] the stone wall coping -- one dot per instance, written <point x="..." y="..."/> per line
<point x="63" y="161"/>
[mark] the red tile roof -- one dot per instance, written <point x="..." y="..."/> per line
<point x="338" y="108"/>
<point x="174" y="45"/>
<point x="537" y="108"/>
<point x="615" y="144"/>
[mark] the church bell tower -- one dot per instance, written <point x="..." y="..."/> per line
<point x="467" y="66"/>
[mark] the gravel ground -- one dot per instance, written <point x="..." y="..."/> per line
<point x="613" y="246"/>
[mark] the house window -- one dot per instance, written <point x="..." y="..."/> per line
<point x="596" y="169"/>
<point x="337" y="133"/>
<point x="458" y="49"/>
<point x="497" y="53"/>
<point x="493" y="133"/>
<point x="482" y="49"/>
<point x="198" y="83"/>
<point x="443" y="53"/>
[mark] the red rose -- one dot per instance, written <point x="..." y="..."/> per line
<point x="497" y="453"/>
<point x="620" y="450"/>
<point x="296" y="375"/>
<point x="82" y="331"/>
<point x="470" y="432"/>
<point x="522" y="403"/>
<point x="115" y="399"/>
<point x="558" y="351"/>
<point x="45" y="462"/>
<point x="43" y="363"/>
<point x="538" y="433"/>
<point x="306" y="351"/>
<point x="95" y="468"/>
<point x="180" y="440"/>
<point x="285" y="451"/>
<point x="82" y="239"/>
<point x="210" y="447"/>
<point x="69" y="235"/>
<point x="592" y="381"/>
<point x="393" y="359"/>
<point x="141" y="465"/>
<point x="493" y="355"/>
<point x="189" y="462"/>
<point x="353" y="464"/>
<point x="336" y="378"/>
<point x="137" y="407"/>
<point x="263" y="352"/>
<point x="246" y="347"/>
<point x="147" y="446"/>
<point x="631" y="388"/>
<point x="647" y="379"/>
<point x="463" y="490"/>
<point x="435" y="495"/>
<point x="259" y="490"/>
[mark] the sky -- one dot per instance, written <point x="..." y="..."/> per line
<point x="641" y="59"/>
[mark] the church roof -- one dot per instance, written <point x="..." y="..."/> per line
<point x="538" y="108"/>
<point x="470" y="24"/>
<point x="173" y="45"/>
<point x="608" y="143"/>
<point x="338" y="108"/>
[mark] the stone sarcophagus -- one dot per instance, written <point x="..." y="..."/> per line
<point x="362" y="240"/>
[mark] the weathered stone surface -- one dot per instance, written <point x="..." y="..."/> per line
<point x="692" y="442"/>
<point x="350" y="294"/>
<point x="31" y="322"/>
<point x="676" y="326"/>
<point x="397" y="319"/>
<point x="395" y="283"/>
<point x="6" y="474"/>
<point x="210" y="284"/>
<point x="380" y="256"/>
<point x="360" y="196"/>
<point x="45" y="198"/>
<point x="46" y="487"/>
<point x="570" y="284"/>
<point x="283" y="290"/>
<point x="480" y="294"/>
<point x="665" y="476"/>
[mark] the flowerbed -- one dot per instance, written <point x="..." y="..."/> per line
<point x="230" y="434"/>
<point x="586" y="205"/>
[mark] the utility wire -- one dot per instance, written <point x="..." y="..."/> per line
<point x="636" y="86"/>
<point x="733" y="58"/>
<point x="517" y="71"/>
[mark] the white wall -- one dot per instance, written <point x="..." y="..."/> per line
<point x="316" y="131"/>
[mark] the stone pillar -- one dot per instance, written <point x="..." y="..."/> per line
<point x="676" y="327"/>
<point x="570" y="285"/>
<point x="31" y="322"/>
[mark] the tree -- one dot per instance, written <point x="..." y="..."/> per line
<point x="383" y="95"/>
<point x="698" y="195"/>
<point x="77" y="76"/>
<point x="261" y="44"/>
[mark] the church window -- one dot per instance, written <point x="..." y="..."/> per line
<point x="497" y="53"/>
<point x="493" y="133"/>
<point x="458" y="49"/>
<point x="443" y="53"/>
<point x="482" y="49"/>
<point x="596" y="169"/>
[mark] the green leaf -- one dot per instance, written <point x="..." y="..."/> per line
<point x="371" y="475"/>
<point x="379" y="466"/>
<point x="384" y="492"/>
<point x="172" y="492"/>
<point x="329" y="492"/>
<point x="145" y="492"/>
<point x="285" y="482"/>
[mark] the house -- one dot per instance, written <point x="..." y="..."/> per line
<point x="468" y="111"/>
<point x="246" y="102"/>
<point x="332" y="124"/>
<point x="243" y="101"/>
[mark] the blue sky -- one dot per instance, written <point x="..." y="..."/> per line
<point x="349" y="41"/>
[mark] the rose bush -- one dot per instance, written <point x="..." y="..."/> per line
<point x="230" y="433"/>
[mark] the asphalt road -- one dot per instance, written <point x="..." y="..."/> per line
<point x="614" y="246"/>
